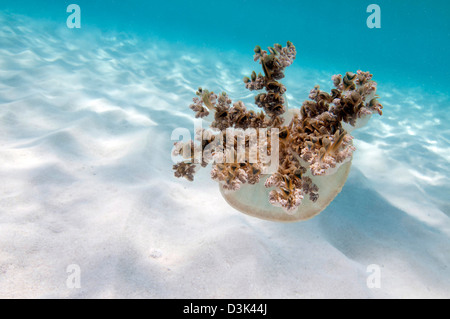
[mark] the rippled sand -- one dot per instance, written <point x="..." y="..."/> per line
<point x="86" y="179"/>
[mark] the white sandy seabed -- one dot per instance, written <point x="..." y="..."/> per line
<point x="86" y="180"/>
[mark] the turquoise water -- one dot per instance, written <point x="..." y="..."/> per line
<point x="103" y="100"/>
<point x="411" y="47"/>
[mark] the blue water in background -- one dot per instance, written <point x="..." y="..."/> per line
<point x="411" y="47"/>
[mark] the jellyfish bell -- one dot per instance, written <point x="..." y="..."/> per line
<point x="252" y="199"/>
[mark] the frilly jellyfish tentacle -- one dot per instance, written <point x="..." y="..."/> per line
<point x="311" y="144"/>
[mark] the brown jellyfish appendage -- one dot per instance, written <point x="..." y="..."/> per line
<point x="314" y="143"/>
